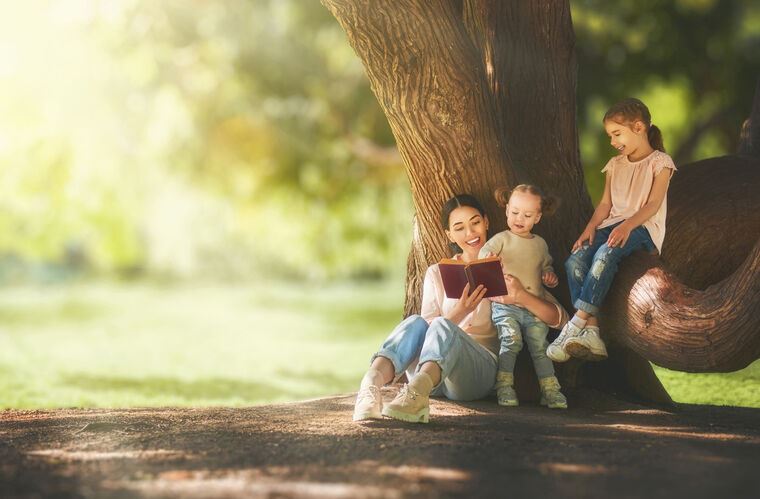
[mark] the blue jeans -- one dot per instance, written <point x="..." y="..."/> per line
<point x="590" y="269"/>
<point x="515" y="324"/>
<point x="468" y="369"/>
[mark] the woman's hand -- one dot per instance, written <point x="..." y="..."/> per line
<point x="514" y="288"/>
<point x="619" y="235"/>
<point x="466" y="303"/>
<point x="586" y="237"/>
<point x="550" y="279"/>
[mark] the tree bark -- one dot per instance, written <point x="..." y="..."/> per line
<point x="430" y="82"/>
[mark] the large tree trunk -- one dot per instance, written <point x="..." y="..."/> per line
<point x="480" y="94"/>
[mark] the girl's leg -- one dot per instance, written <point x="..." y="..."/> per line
<point x="604" y="266"/>
<point x="506" y="320"/>
<point x="399" y="350"/>
<point x="535" y="332"/>
<point x="589" y="345"/>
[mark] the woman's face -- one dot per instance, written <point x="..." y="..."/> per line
<point x="467" y="228"/>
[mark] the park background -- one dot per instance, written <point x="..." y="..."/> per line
<point x="201" y="202"/>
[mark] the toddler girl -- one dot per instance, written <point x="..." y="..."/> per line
<point x="526" y="256"/>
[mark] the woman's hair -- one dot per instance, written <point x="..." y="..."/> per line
<point x="549" y="204"/>
<point x="454" y="203"/>
<point x="629" y="110"/>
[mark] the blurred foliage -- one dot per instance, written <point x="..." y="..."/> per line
<point x="189" y="138"/>
<point x="240" y="138"/>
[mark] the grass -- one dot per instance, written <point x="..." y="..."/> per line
<point x="127" y="345"/>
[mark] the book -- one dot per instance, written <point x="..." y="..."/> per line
<point x="455" y="274"/>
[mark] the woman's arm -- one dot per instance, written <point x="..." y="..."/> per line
<point x="544" y="310"/>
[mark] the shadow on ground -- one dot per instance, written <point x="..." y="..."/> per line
<point x="601" y="447"/>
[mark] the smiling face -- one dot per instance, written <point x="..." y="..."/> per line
<point x="628" y="139"/>
<point x="523" y="212"/>
<point x="468" y="229"/>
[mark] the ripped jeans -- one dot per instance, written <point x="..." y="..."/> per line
<point x="590" y="269"/>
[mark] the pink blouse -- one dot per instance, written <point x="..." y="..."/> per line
<point x="630" y="186"/>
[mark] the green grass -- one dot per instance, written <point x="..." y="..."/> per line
<point x="122" y="345"/>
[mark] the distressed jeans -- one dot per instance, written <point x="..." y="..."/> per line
<point x="468" y="369"/>
<point x="515" y="325"/>
<point x="591" y="268"/>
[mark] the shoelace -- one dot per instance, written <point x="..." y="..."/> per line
<point x="407" y="392"/>
<point x="371" y="392"/>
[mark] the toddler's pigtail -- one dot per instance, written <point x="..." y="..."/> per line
<point x="549" y="205"/>
<point x="502" y="195"/>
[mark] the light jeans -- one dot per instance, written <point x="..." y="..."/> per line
<point x="591" y="268"/>
<point x="515" y="325"/>
<point x="468" y="369"/>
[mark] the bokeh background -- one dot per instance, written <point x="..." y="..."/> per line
<point x="201" y="202"/>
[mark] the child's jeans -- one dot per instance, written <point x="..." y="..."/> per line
<point x="468" y="369"/>
<point x="590" y="269"/>
<point x="516" y="324"/>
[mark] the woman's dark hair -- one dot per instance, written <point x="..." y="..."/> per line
<point x="454" y="203"/>
<point x="549" y="204"/>
<point x="629" y="110"/>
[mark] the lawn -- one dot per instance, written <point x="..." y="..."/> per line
<point x="146" y="344"/>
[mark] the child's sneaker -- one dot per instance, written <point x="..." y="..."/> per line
<point x="556" y="350"/>
<point x="505" y="390"/>
<point x="369" y="404"/>
<point x="550" y="394"/>
<point x="587" y="346"/>
<point x="409" y="406"/>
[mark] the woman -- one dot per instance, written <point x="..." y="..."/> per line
<point x="453" y="340"/>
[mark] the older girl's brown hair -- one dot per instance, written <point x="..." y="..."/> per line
<point x="549" y="204"/>
<point x="630" y="110"/>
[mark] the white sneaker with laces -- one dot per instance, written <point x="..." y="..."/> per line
<point x="556" y="350"/>
<point x="409" y="406"/>
<point x="587" y="346"/>
<point x="369" y="404"/>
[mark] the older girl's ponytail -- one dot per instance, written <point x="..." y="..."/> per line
<point x="654" y="135"/>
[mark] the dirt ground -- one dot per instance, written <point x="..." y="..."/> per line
<point x="600" y="447"/>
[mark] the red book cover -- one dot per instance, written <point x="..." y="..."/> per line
<point x="455" y="274"/>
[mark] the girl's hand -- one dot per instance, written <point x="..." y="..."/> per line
<point x="466" y="303"/>
<point x="619" y="236"/>
<point x="550" y="279"/>
<point x="586" y="237"/>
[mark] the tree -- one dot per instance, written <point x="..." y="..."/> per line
<point x="481" y="93"/>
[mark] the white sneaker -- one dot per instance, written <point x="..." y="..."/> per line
<point x="556" y="350"/>
<point x="409" y="406"/>
<point x="587" y="346"/>
<point x="369" y="404"/>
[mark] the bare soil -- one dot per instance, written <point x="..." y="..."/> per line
<point x="600" y="447"/>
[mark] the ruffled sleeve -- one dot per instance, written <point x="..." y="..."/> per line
<point x="663" y="161"/>
<point x="610" y="165"/>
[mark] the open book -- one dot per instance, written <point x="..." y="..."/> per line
<point x="455" y="274"/>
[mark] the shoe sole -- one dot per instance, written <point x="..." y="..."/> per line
<point x="508" y="404"/>
<point x="553" y="406"/>
<point x="555" y="359"/>
<point x="422" y="417"/>
<point x="582" y="352"/>
<point x="368" y="415"/>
